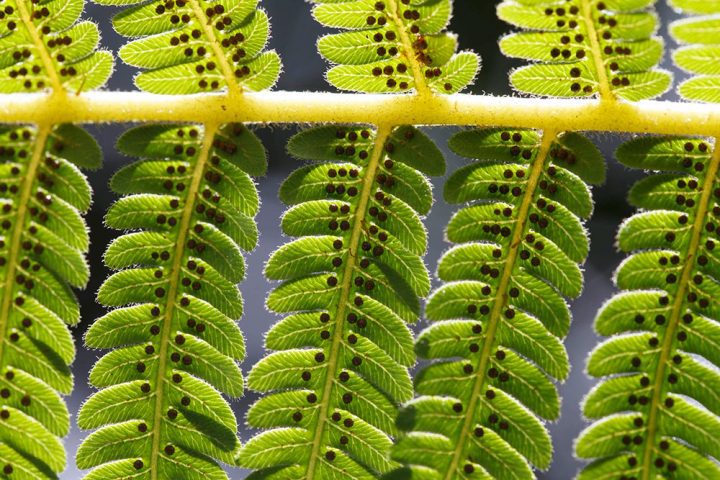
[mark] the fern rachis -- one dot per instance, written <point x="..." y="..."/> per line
<point x="42" y="255"/>
<point x="195" y="46"/>
<point x="585" y="47"/>
<point x="658" y="395"/>
<point x="377" y="274"/>
<point x="393" y="46"/>
<point x="684" y="281"/>
<point x="192" y="201"/>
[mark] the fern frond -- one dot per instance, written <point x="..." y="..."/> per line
<point x="393" y="46"/>
<point x="499" y="320"/>
<point x="191" y="203"/>
<point x="351" y="283"/>
<point x="701" y="54"/>
<point x="43" y="46"/>
<point x="193" y="46"/>
<point x="44" y="239"/>
<point x="656" y="409"/>
<point x="585" y="48"/>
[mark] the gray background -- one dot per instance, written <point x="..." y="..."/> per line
<point x="294" y="38"/>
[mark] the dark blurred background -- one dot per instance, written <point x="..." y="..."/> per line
<point x="295" y="33"/>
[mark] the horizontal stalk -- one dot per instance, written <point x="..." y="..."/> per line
<point x="305" y="107"/>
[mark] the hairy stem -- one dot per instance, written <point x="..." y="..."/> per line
<point x="499" y="303"/>
<point x="603" y="82"/>
<point x="173" y="283"/>
<point x="18" y="226"/>
<point x="408" y="49"/>
<point x="668" y="342"/>
<point x="26" y="17"/>
<point x="303" y="107"/>
<point x="339" y="321"/>
<point x="208" y="31"/>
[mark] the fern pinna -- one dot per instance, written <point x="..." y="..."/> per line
<point x="192" y="202"/>
<point x="657" y="405"/>
<point x="585" y="48"/>
<point x="43" y="46"/>
<point x="44" y="238"/>
<point x="498" y="323"/>
<point x="394" y="46"/>
<point x="193" y="46"/>
<point x="351" y="282"/>
<point x="701" y="55"/>
<point x="41" y="257"/>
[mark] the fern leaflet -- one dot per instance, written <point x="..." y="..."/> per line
<point x="41" y="254"/>
<point x="193" y="46"/>
<point x="351" y="282"/>
<point x="499" y="321"/>
<point x="192" y="202"/>
<point x="702" y="56"/>
<point x="393" y="46"/>
<point x="44" y="46"/>
<point x="656" y="409"/>
<point x="585" y="48"/>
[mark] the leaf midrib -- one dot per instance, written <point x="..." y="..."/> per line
<point x="173" y="282"/>
<point x="603" y="82"/>
<point x="421" y="86"/>
<point x="703" y="207"/>
<point x="26" y="17"/>
<point x="233" y="87"/>
<point x="383" y="132"/>
<point x="499" y="302"/>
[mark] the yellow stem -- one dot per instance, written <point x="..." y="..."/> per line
<point x="305" y="107"/>
<point x="408" y="52"/>
<point x="233" y="87"/>
<point x="603" y="83"/>
<point x="26" y="17"/>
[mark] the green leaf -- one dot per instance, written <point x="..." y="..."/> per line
<point x="615" y="58"/>
<point x="352" y="279"/>
<point x="189" y="48"/>
<point x="580" y="156"/>
<point x="705" y="89"/>
<point x="701" y="56"/>
<point x="28" y="441"/>
<point x="703" y="30"/>
<point x="73" y="63"/>
<point x="700" y="59"/>
<point x="499" y="314"/>
<point x="393" y="48"/>
<point x="415" y="149"/>
<point x="43" y="251"/>
<point x="660" y="361"/>
<point x="175" y="340"/>
<point x="697" y="6"/>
